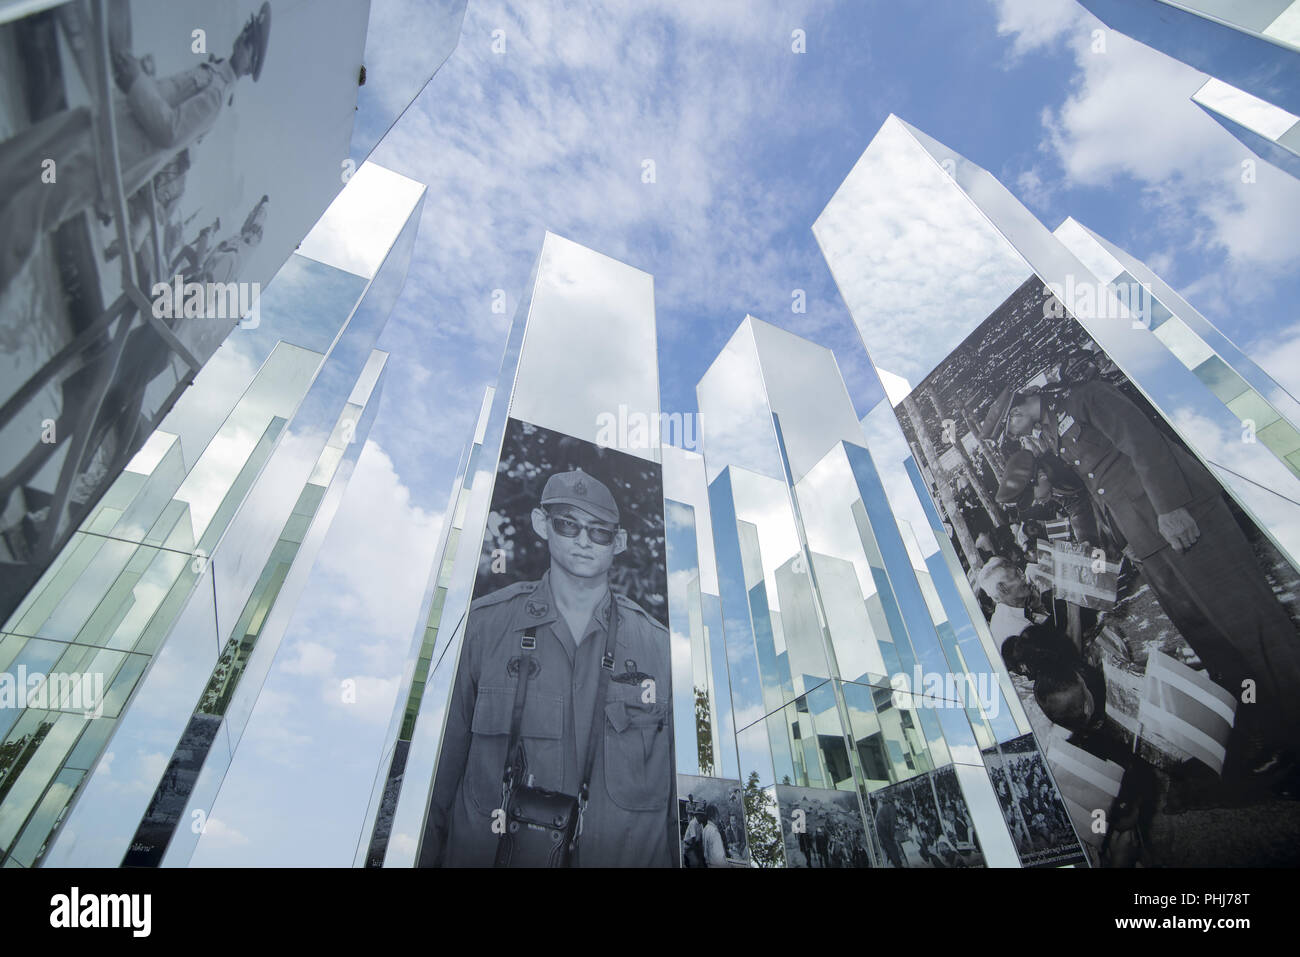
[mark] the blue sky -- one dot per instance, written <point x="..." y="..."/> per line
<point x="749" y="141"/>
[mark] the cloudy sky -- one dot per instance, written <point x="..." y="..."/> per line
<point x="749" y="140"/>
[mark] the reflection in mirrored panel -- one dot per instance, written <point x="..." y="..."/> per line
<point x="695" y="718"/>
<point x="748" y="690"/>
<point x="804" y="390"/>
<point x="196" y="771"/>
<point x="916" y="263"/>
<point x="187" y="537"/>
<point x="395" y="70"/>
<point x="736" y="419"/>
<point x="1265" y="408"/>
<point x="886" y="732"/>
<point x="1251" y="44"/>
<point x="591" y="326"/>
<point x="1057" y="443"/>
<point x="808" y="742"/>
<point x="99" y="825"/>
<point x="1267" y="130"/>
<point x="448" y="590"/>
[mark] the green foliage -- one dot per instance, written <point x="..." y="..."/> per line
<point x="766" y="845"/>
<point x="704" y="730"/>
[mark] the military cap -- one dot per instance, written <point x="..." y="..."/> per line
<point x="581" y="490"/>
<point x="1020" y="468"/>
<point x="258" y="28"/>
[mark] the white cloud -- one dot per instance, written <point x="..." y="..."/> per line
<point x="379" y="550"/>
<point x="1130" y="115"/>
<point x="370" y="698"/>
<point x="1034" y="24"/>
<point x="309" y="658"/>
<point x="222" y="834"/>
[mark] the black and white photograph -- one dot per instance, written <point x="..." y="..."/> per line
<point x="1038" y="820"/>
<point x="924" y="822"/>
<point x="711" y="822"/>
<point x="822" y="828"/>
<point x="558" y="745"/>
<point x="119" y="280"/>
<point x="1131" y="598"/>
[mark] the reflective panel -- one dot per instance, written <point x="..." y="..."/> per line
<point x="736" y="420"/>
<point x="1249" y="43"/>
<point x="590" y="325"/>
<point x="1066" y="518"/>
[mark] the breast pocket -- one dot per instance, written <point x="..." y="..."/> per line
<point x="541" y="729"/>
<point x="638" y="750"/>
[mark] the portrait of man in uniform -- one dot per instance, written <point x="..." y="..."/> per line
<point x="590" y="723"/>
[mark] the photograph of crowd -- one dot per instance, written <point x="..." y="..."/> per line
<point x="822" y="828"/>
<point x="711" y="819"/>
<point x="226" y="153"/>
<point x="925" y="822"/>
<point x="1040" y="825"/>
<point x="1141" y="613"/>
<point x="561" y="707"/>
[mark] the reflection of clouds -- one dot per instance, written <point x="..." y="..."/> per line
<point x="275" y="392"/>
<point x="591" y="326"/>
<point x="889" y="451"/>
<point x="916" y="263"/>
<point x="354" y="619"/>
<point x="221" y="834"/>
<point x="1224" y="446"/>
<point x="765" y="503"/>
<point x="1187" y="166"/>
<point x="826" y="496"/>
<point x="806" y="391"/>
<point x="357" y="229"/>
<point x="737" y="424"/>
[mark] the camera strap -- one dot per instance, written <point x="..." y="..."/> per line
<point x="597" y="732"/>
<point x="514" y="769"/>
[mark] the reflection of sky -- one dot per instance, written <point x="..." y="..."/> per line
<point x="917" y="265"/>
<point x="736" y="420"/>
<point x="590" y="327"/>
<point x="551" y="135"/>
<point x="804" y="388"/>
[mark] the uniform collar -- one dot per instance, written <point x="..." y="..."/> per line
<point x="539" y="609"/>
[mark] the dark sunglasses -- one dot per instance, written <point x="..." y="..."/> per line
<point x="568" y="528"/>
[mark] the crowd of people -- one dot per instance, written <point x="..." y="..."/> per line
<point x="708" y="838"/>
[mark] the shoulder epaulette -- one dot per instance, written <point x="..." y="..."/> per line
<point x="504" y="594"/>
<point x="628" y="603"/>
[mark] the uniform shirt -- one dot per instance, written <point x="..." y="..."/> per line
<point x="715" y="852"/>
<point x="630" y="820"/>
<point x="1133" y="472"/>
<point x="176" y="110"/>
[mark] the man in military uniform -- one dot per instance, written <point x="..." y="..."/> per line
<point x="1170" y="513"/>
<point x="156" y="119"/>
<point x="631" y="819"/>
<point x="224" y="262"/>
